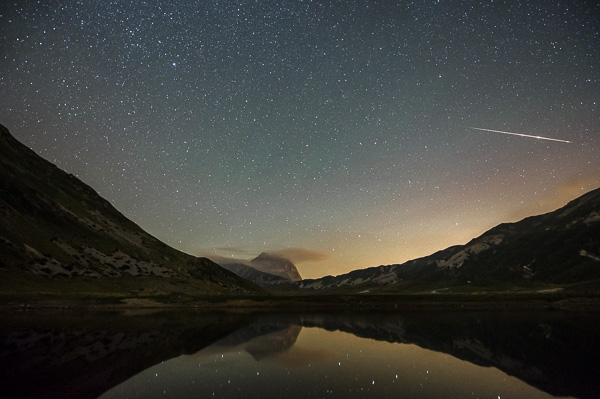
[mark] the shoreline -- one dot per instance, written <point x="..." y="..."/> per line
<point x="387" y="303"/>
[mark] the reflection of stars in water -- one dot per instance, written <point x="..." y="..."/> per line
<point x="356" y="373"/>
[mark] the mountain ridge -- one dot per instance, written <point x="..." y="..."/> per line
<point x="553" y="248"/>
<point x="57" y="234"/>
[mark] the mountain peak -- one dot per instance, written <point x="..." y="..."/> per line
<point x="276" y="265"/>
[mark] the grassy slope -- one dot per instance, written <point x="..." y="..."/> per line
<point x="58" y="235"/>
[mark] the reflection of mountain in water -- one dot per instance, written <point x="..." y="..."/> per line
<point x="64" y="355"/>
<point x="555" y="352"/>
<point x="263" y="338"/>
<point x="272" y="343"/>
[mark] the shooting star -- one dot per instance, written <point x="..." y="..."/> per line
<point x="520" y="134"/>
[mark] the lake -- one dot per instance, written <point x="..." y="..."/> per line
<point x="412" y="354"/>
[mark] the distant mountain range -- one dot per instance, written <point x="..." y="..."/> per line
<point x="58" y="235"/>
<point x="554" y="251"/>
<point x="265" y="270"/>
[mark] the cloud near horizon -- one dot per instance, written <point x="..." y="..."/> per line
<point x="229" y="255"/>
<point x="300" y="255"/>
<point x="224" y="260"/>
<point x="294" y="255"/>
<point x="234" y="251"/>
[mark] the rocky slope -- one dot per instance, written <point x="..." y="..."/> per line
<point x="57" y="234"/>
<point x="561" y="248"/>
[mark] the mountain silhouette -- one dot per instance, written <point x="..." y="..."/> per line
<point x="58" y="235"/>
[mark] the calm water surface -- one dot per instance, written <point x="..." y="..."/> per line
<point x="351" y="355"/>
<point x="322" y="364"/>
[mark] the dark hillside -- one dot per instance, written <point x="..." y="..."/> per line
<point x="57" y="234"/>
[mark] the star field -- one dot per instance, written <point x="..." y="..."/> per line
<point x="231" y="128"/>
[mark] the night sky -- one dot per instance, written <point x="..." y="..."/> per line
<point x="339" y="134"/>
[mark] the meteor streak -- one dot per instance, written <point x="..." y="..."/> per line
<point x="520" y="134"/>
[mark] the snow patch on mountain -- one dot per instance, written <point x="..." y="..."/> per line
<point x="593" y="217"/>
<point x="389" y="278"/>
<point x="116" y="264"/>
<point x="459" y="258"/>
<point x="316" y="285"/>
<point x="585" y="253"/>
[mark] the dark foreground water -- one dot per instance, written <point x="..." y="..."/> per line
<point x="433" y="354"/>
